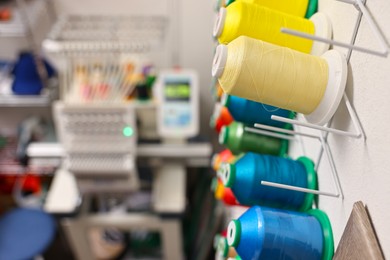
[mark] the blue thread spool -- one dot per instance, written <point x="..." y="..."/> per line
<point x="250" y="112"/>
<point x="245" y="175"/>
<point x="266" y="233"/>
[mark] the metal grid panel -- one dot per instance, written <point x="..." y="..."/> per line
<point x="76" y="33"/>
<point x="94" y="163"/>
<point x="96" y="129"/>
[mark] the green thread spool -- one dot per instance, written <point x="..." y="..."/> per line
<point x="238" y="140"/>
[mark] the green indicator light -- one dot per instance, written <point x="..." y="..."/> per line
<point x="128" y="131"/>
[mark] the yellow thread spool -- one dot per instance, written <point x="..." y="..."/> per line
<point x="255" y="21"/>
<point x="282" y="77"/>
<point x="293" y="7"/>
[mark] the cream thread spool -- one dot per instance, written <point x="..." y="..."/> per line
<point x="232" y="22"/>
<point x="246" y="86"/>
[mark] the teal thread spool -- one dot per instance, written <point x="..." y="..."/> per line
<point x="250" y="112"/>
<point x="244" y="177"/>
<point x="238" y="140"/>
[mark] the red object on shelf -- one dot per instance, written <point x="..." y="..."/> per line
<point x="11" y="170"/>
<point x="225" y="194"/>
<point x="5" y="14"/>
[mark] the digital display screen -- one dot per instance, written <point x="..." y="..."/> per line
<point x="177" y="90"/>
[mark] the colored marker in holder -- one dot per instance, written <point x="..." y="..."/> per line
<point x="221" y="117"/>
<point x="266" y="233"/>
<point x="238" y="140"/>
<point x="251" y="112"/>
<point x="223" y="193"/>
<point x="223" y="250"/>
<point x="224" y="156"/>
<point x="244" y="177"/>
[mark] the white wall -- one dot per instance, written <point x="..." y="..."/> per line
<point x="363" y="165"/>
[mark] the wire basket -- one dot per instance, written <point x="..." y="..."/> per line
<point x="104" y="79"/>
<point x="102" y="59"/>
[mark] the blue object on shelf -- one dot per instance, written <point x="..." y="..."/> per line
<point x="25" y="233"/>
<point x="266" y="233"/>
<point x="250" y="112"/>
<point x="26" y="76"/>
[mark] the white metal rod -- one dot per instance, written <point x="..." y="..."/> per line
<point x="336" y="179"/>
<point x="337" y="43"/>
<point x="347" y="1"/>
<point x="373" y="26"/>
<point x="302" y="145"/>
<point x="355" y="32"/>
<point x="322" y="128"/>
<point x="354" y="118"/>
<point x="295" y="188"/>
<point x="282" y="130"/>
<point x="321" y="152"/>
<point x="268" y="133"/>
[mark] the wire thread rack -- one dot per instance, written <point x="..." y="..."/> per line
<point x="323" y="131"/>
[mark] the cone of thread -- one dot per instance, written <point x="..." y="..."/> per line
<point x="293" y="7"/>
<point x="244" y="177"/>
<point x="274" y="75"/>
<point x="263" y="23"/>
<point x="250" y="112"/>
<point x="238" y="140"/>
<point x="266" y="233"/>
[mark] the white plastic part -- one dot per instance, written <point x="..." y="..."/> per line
<point x="222" y="134"/>
<point x="225" y="173"/>
<point x="63" y="196"/>
<point x="231" y="232"/>
<point x="224" y="98"/>
<point x="217" y="110"/>
<point x="214" y="159"/>
<point x="337" y="79"/>
<point x="219" y="61"/>
<point x="177" y="119"/>
<point x="323" y="29"/>
<point x="219" y="22"/>
<point x="51" y="46"/>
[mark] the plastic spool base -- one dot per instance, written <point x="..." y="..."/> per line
<point x="234" y="233"/>
<point x="323" y="29"/>
<point x="337" y="79"/>
<point x="311" y="181"/>
<point x="312" y="8"/>
<point x="328" y="244"/>
<point x="219" y="22"/>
